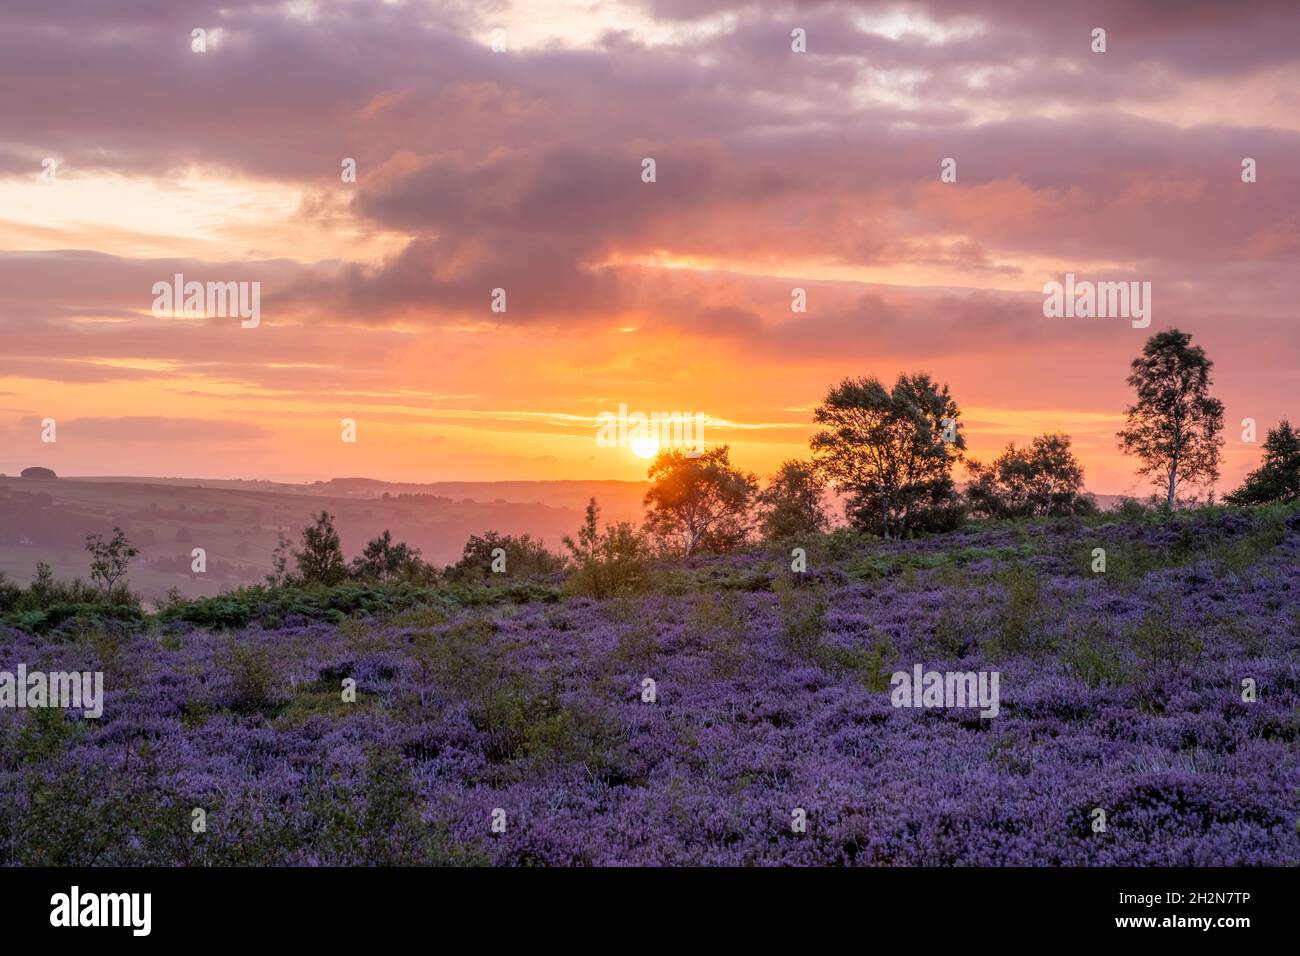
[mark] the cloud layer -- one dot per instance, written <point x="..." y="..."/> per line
<point x="522" y="171"/>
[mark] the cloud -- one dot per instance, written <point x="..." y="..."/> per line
<point x="148" y="428"/>
<point x="522" y="171"/>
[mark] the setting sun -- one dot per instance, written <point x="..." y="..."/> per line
<point x="645" y="447"/>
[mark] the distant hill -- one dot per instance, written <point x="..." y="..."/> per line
<point x="238" y="523"/>
<point x="619" y="500"/>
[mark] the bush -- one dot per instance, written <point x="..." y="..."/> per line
<point x="1164" y="646"/>
<point x="48" y="606"/>
<point x="1021" y="628"/>
<point x="609" y="563"/>
<point x="524" y="556"/>
<point x="254" y="684"/>
<point x="274" y="606"/>
<point x="803" y="617"/>
<point x="384" y="561"/>
<point x="385" y="828"/>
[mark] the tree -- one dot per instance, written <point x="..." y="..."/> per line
<point x="891" y="452"/>
<point x="1278" y="476"/>
<point x="700" y="502"/>
<point x="792" y="502"/>
<point x="610" y="562"/>
<point x="44" y="580"/>
<point x="321" y="559"/>
<point x="279" y="576"/>
<point x="109" y="559"/>
<point x="524" y="556"/>
<point x="384" y="561"/>
<point x="1174" y="426"/>
<point x="1043" y="479"/>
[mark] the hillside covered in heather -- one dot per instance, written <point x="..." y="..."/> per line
<point x="523" y="705"/>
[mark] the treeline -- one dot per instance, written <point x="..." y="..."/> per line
<point x="888" y="451"/>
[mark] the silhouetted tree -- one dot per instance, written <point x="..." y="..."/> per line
<point x="891" y="452"/>
<point x="792" y="502"/>
<point x="700" y="501"/>
<point x="1278" y="476"/>
<point x="1043" y="479"/>
<point x="321" y="559"/>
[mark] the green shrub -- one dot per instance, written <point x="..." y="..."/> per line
<point x="803" y="617"/>
<point x="608" y="563"/>
<point x="378" y="823"/>
<point x="1163" y="645"/>
<point x="873" y="664"/>
<point x="638" y="644"/>
<point x="1021" y="627"/>
<point x="1093" y="660"/>
<point x="254" y="682"/>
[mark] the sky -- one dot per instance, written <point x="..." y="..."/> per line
<point x="127" y="156"/>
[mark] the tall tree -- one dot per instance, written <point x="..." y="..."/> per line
<point x="1175" y="426"/>
<point x="890" y="450"/>
<point x="700" y="501"/>
<point x="1278" y="476"/>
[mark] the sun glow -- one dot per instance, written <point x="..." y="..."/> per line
<point x="645" y="447"/>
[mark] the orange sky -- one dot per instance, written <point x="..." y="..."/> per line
<point x="522" y="170"/>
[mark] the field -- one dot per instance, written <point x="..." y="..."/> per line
<point x="521" y="733"/>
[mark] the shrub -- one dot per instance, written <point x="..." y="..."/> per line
<point x="638" y="644"/>
<point x="385" y="827"/>
<point x="1163" y="645"/>
<point x="254" y="684"/>
<point x="50" y="606"/>
<point x="872" y="664"/>
<point x="1093" y="660"/>
<point x="1021" y="625"/>
<point x="525" y="557"/>
<point x="803" y="617"/>
<point x="608" y="563"/>
<point x="384" y="561"/>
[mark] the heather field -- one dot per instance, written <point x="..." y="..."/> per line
<point x="1119" y="690"/>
